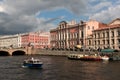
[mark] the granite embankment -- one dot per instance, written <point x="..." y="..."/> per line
<point x="57" y="52"/>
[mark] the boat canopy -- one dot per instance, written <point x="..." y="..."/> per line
<point x="109" y="50"/>
<point x="78" y="46"/>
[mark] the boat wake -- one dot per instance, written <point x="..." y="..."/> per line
<point x="24" y="66"/>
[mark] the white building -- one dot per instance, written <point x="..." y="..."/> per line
<point x="7" y="41"/>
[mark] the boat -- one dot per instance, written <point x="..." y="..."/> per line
<point x="113" y="54"/>
<point x="75" y="56"/>
<point x="95" y="57"/>
<point x="32" y="63"/>
<point x="105" y="58"/>
<point x="88" y="57"/>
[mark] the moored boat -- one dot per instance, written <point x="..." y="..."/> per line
<point x="87" y="57"/>
<point x="32" y="63"/>
<point x="105" y="58"/>
<point x="75" y="56"/>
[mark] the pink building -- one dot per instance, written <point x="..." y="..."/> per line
<point x="67" y="36"/>
<point x="36" y="39"/>
<point x="91" y="25"/>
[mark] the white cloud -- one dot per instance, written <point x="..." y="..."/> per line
<point x="17" y="16"/>
<point x="100" y="6"/>
<point x="107" y="15"/>
<point x="1" y="9"/>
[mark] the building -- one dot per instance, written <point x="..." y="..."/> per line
<point x="35" y="39"/>
<point x="107" y="37"/>
<point x="66" y="35"/>
<point x="91" y="25"/>
<point x="8" y="41"/>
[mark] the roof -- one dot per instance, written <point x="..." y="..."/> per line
<point x="63" y="22"/>
<point x="109" y="50"/>
<point x="108" y="27"/>
<point x="114" y="21"/>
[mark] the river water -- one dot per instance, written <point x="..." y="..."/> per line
<point x="58" y="68"/>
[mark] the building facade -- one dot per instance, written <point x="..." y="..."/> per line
<point x="8" y="41"/>
<point x="107" y="37"/>
<point x="35" y="39"/>
<point x="69" y="35"/>
<point x="91" y="26"/>
<point x="66" y="36"/>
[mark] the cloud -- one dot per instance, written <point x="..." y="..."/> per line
<point x="19" y="16"/>
<point x="107" y="15"/>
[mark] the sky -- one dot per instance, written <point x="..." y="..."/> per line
<point x="21" y="16"/>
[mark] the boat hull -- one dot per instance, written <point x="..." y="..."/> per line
<point x="32" y="65"/>
<point x="90" y="59"/>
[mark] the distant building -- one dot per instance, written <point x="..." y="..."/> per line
<point x="8" y="41"/>
<point x="35" y="39"/>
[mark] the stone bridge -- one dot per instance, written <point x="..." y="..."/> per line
<point x="18" y="51"/>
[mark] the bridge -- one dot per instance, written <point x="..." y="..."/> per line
<point x="17" y="51"/>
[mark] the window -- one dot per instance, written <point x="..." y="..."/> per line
<point x="89" y="42"/>
<point x="98" y="42"/>
<point x="95" y="42"/>
<point x="118" y="41"/>
<point x="113" y="42"/>
<point x="82" y="34"/>
<point x="69" y="35"/>
<point x="95" y="35"/>
<point x="112" y="33"/>
<point x="103" y="35"/>
<point x="107" y="34"/>
<point x="107" y="41"/>
<point x="63" y="26"/>
<point x="118" y="32"/>
<point x="98" y="35"/>
<point x="103" y="41"/>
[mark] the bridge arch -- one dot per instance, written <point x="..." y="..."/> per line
<point x="4" y="53"/>
<point x="18" y="52"/>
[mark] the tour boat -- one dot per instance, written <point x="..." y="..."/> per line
<point x="87" y="57"/>
<point x="32" y="63"/>
<point x="95" y="58"/>
<point x="75" y="56"/>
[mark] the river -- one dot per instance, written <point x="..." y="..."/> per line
<point x="58" y="68"/>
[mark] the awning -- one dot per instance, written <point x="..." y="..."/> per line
<point x="109" y="50"/>
<point x="78" y="46"/>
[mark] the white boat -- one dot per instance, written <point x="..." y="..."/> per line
<point x="105" y="58"/>
<point x="33" y="63"/>
<point x="75" y="56"/>
<point x="87" y="57"/>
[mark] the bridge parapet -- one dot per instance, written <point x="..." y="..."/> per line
<point x="27" y="50"/>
